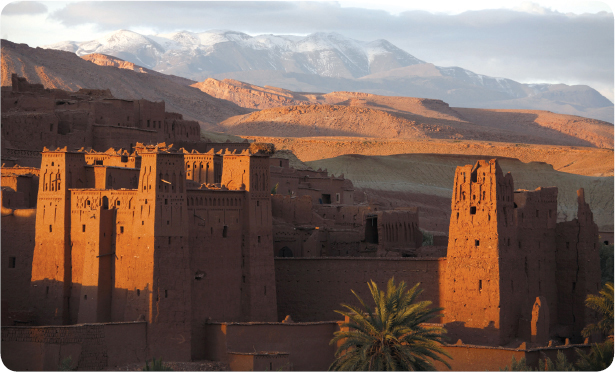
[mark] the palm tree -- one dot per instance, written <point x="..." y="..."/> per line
<point x="389" y="337"/>
<point x="603" y="304"/>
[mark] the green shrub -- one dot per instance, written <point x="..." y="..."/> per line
<point x="157" y="365"/>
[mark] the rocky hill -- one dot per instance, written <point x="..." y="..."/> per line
<point x="327" y="62"/>
<point x="370" y="115"/>
<point x="65" y="70"/>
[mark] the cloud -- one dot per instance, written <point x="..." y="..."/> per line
<point x="531" y="43"/>
<point x="24" y="8"/>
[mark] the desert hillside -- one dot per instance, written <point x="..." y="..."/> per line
<point x="370" y="115"/>
<point x="585" y="161"/>
<point x="65" y="70"/>
<point x="432" y="175"/>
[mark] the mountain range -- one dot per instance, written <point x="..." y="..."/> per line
<point x="326" y="62"/>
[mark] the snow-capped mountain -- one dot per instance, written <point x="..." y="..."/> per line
<point x="325" y="62"/>
<point x="195" y="55"/>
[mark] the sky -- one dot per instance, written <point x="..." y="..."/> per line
<point x="544" y="41"/>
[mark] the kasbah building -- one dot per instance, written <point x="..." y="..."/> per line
<point x="117" y="255"/>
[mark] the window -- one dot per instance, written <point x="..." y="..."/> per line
<point x="50" y="228"/>
<point x="12" y="261"/>
<point x="472" y="210"/>
<point x="476" y="243"/>
<point x="537" y="213"/>
<point x="138" y="292"/>
<point x="480" y="285"/>
<point x="166" y="293"/>
<point x="258" y="203"/>
<point x="225" y="232"/>
<point x="337" y="197"/>
<point x="51" y="128"/>
<point x="259" y="239"/>
<point x="82" y="228"/>
<point x="121" y="229"/>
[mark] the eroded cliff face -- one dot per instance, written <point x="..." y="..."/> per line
<point x="104" y="60"/>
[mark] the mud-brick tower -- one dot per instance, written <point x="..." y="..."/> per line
<point x="51" y="263"/>
<point x="578" y="269"/>
<point x="481" y="273"/>
<point x="156" y="268"/>
<point x="249" y="171"/>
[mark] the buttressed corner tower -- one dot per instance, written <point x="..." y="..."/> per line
<point x="505" y="252"/>
<point x="173" y="252"/>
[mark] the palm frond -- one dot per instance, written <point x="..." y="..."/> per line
<point x="390" y="335"/>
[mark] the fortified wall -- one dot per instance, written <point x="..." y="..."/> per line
<point x="146" y="236"/>
<point x="109" y="250"/>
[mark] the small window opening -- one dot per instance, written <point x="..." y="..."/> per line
<point x="12" y="261"/>
<point x="121" y="229"/>
<point x="537" y="213"/>
<point x="98" y="162"/>
<point x="85" y="297"/>
<point x="50" y="228"/>
<point x="265" y="290"/>
<point x="166" y="293"/>
<point x="480" y="285"/>
<point x="87" y="203"/>
<point x="472" y="210"/>
<point x="166" y="201"/>
<point x="474" y="177"/>
<point x="225" y="231"/>
<point x="258" y="203"/>
<point x="138" y="292"/>
<point x="243" y="278"/>
<point x="476" y="243"/>
<point x="259" y="239"/>
<point x="82" y="228"/>
<point x="47" y="291"/>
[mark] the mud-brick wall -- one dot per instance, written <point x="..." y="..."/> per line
<point x="307" y="344"/>
<point x="91" y="347"/>
<point x="18" y="231"/>
<point x="310" y="289"/>
<point x="106" y="137"/>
